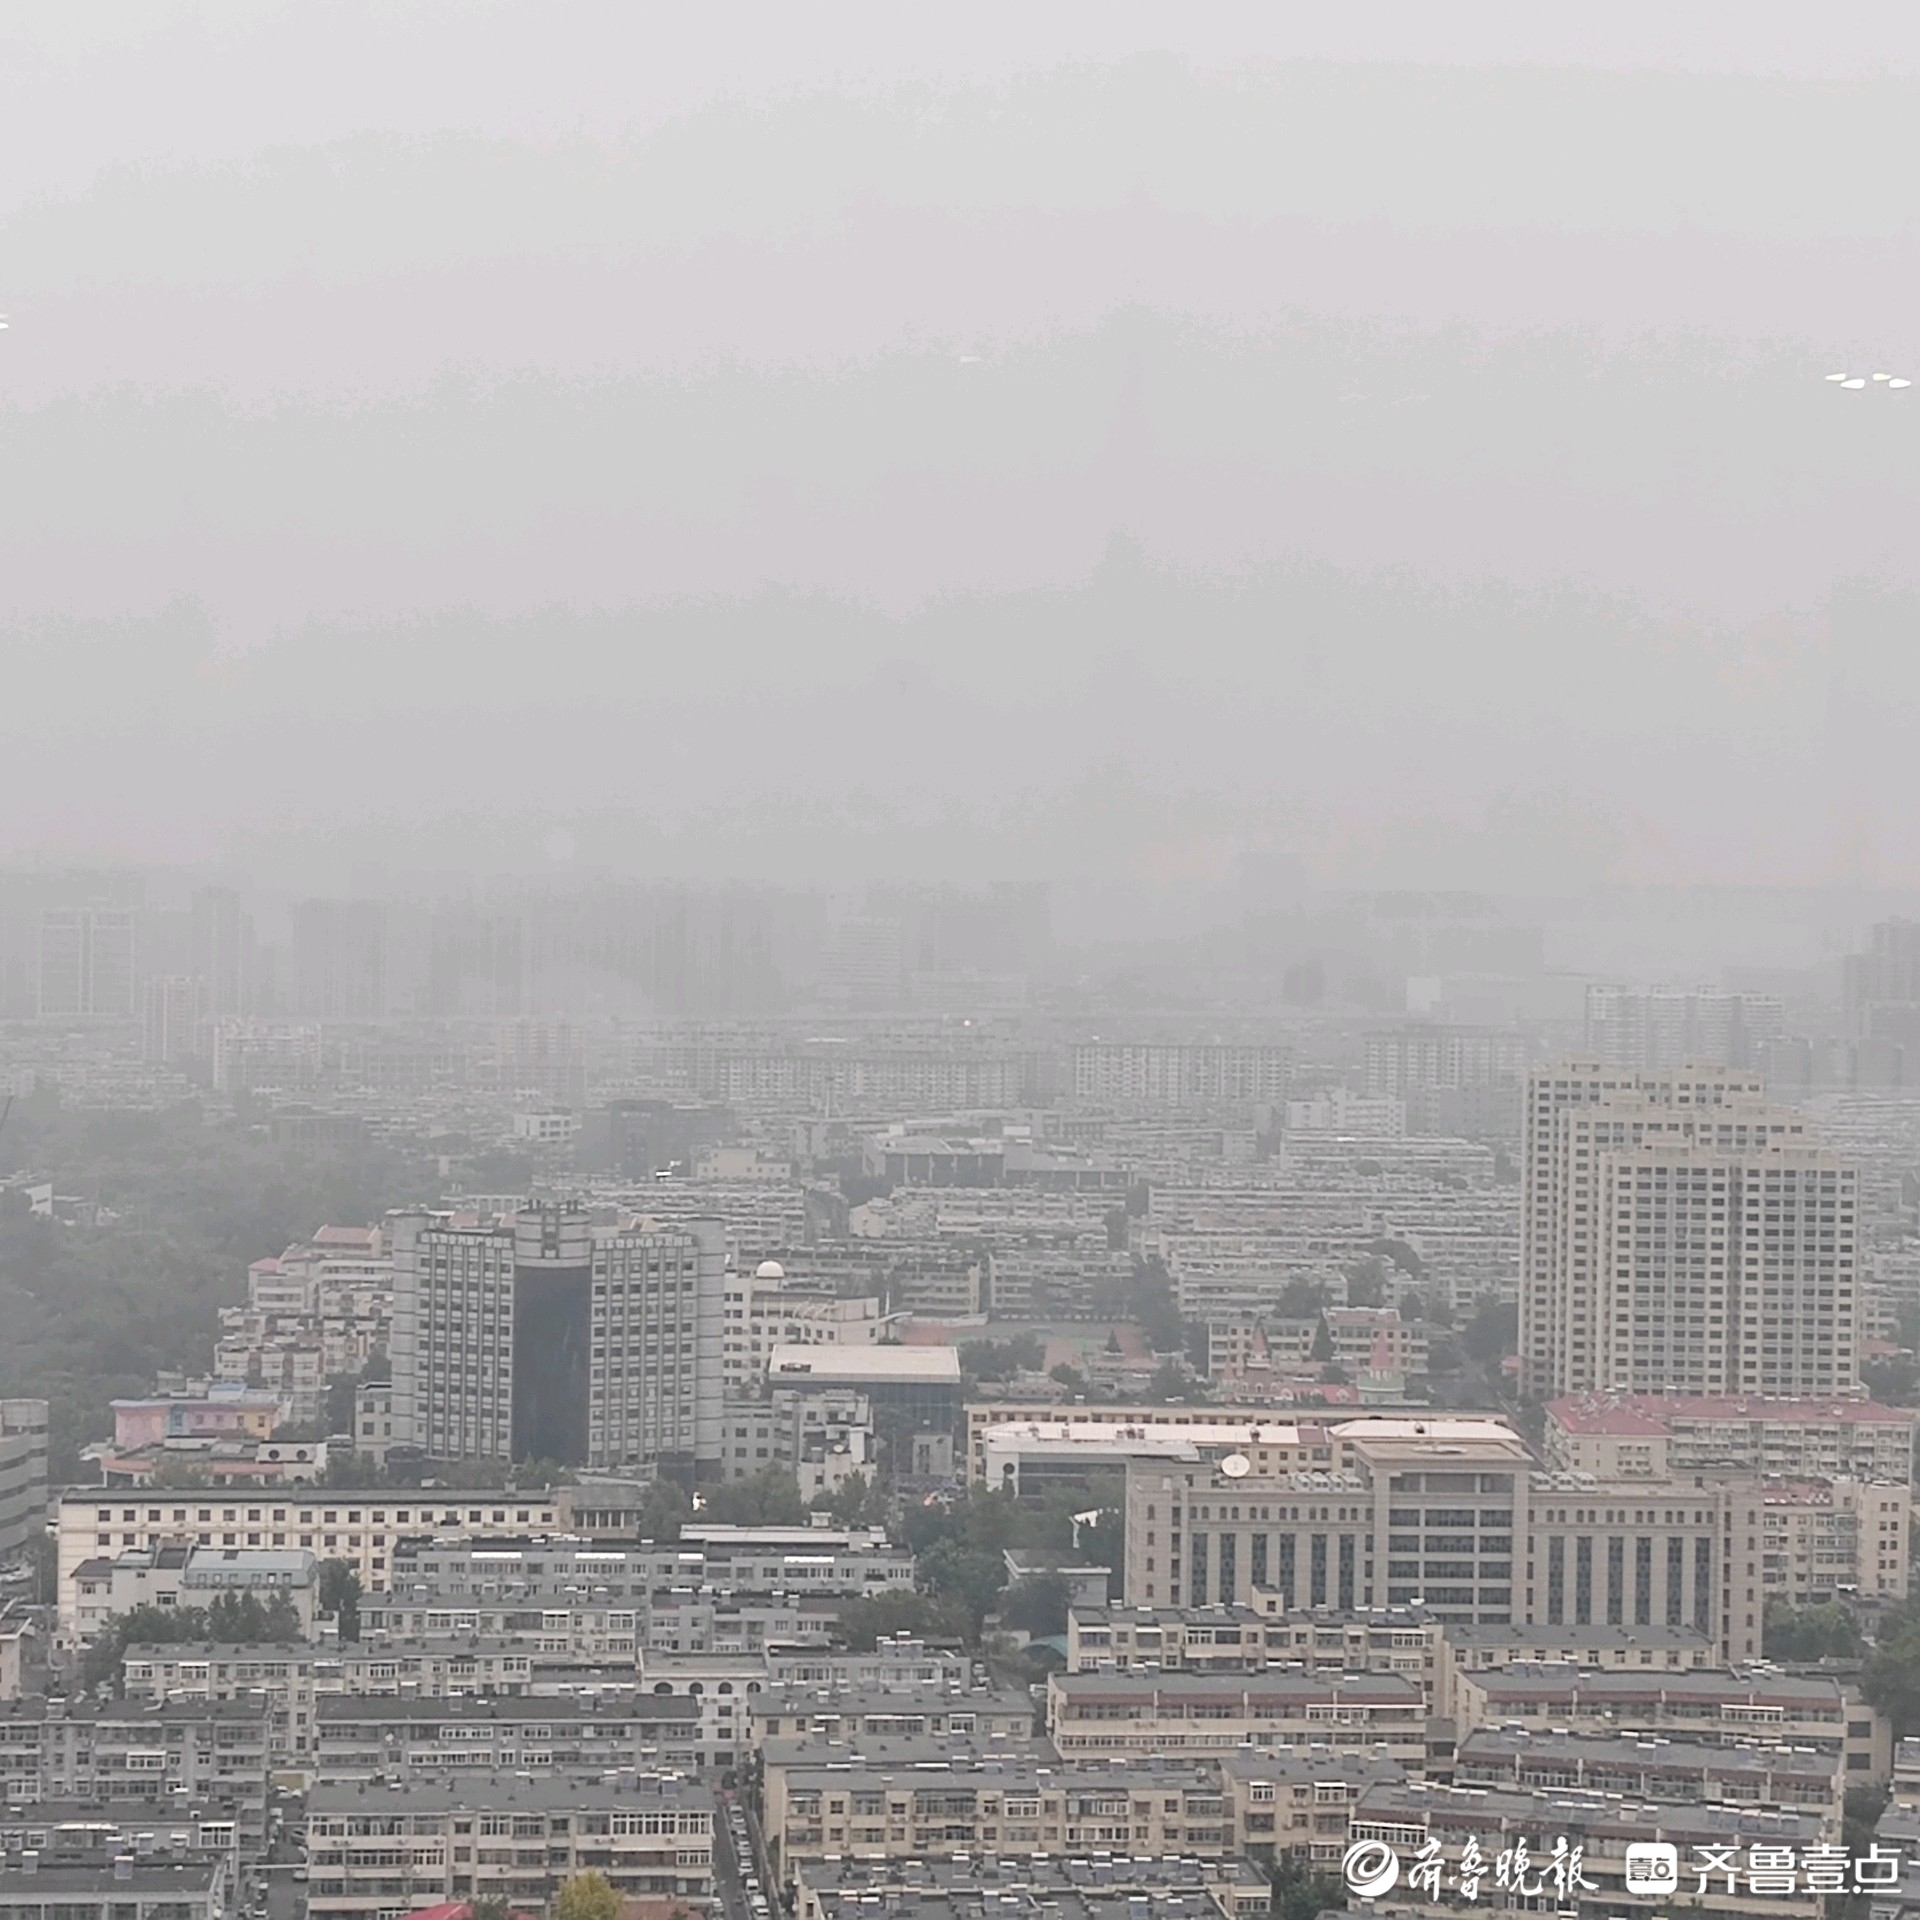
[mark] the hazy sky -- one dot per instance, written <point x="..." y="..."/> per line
<point x="824" y="439"/>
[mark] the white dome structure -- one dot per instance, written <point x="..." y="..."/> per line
<point x="769" y="1270"/>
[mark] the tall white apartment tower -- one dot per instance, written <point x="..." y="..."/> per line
<point x="1681" y="1233"/>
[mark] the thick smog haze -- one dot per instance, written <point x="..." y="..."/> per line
<point x="1150" y="446"/>
<point x="1037" y="881"/>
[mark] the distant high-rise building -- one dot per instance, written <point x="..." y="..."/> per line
<point x="543" y="1335"/>
<point x="1413" y="1057"/>
<point x="665" y="952"/>
<point x="339" y="957"/>
<point x="1680" y="1232"/>
<point x="174" y="1018"/>
<point x="1880" y="991"/>
<point x="222" y="937"/>
<point x="476" y="963"/>
<point x="1661" y="1028"/>
<point x="866" y="961"/>
<point x="1178" y="1074"/>
<point x="87" y="963"/>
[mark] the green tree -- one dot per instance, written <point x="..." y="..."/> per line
<point x="1173" y="1384"/>
<point x="340" y="1595"/>
<point x="1038" y="1604"/>
<point x="1300" y="1893"/>
<point x="1493" y="1332"/>
<point x="1152" y="1307"/>
<point x="864" y="1622"/>
<point x="1069" y="1377"/>
<point x="353" y="1470"/>
<point x="180" y="1473"/>
<point x="856" y="1502"/>
<point x="187" y="1198"/>
<point x="233" y="1619"/>
<point x="586" y="1896"/>
<point x="1894" y="1382"/>
<point x="1891" y="1677"/>
<point x="1301" y="1299"/>
<point x="1002" y="1359"/>
<point x="1367" y="1284"/>
<point x="663" y="1510"/>
<point x="1860" y="1815"/>
<point x="1827" y="1631"/>
<point x="490" y="1906"/>
<point x="770" y="1498"/>
<point x="244" y="1619"/>
<point x="968" y="1578"/>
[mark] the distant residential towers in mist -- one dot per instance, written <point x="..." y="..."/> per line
<point x="88" y="963"/>
<point x="1661" y="1028"/>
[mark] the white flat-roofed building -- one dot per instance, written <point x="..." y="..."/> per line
<point x="359" y="1526"/>
<point x="922" y="1384"/>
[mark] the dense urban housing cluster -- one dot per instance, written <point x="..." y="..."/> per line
<point x="737" y="1462"/>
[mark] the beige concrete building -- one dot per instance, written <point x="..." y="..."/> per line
<point x="919" y="1799"/>
<point x="1681" y="1234"/>
<point x="1259" y="1636"/>
<point x="1405" y="1511"/>
<point x="1833" y="1539"/>
<point x="374" y="1849"/>
<point x="1179" y="1715"/>
<point x="1448" y="1514"/>
<point x="1724" y="1707"/>
<point x="1621" y="1436"/>
<point x="1296" y="1804"/>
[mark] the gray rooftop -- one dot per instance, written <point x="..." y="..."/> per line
<point x="496" y="1790"/>
<point x="1609" y="1751"/>
<point x="1593" y="1638"/>
<point x="135" y="1712"/>
<point x="1043" y="1876"/>
<point x="1308" y="1763"/>
<point x="292" y="1652"/>
<point x="879" y="1753"/>
<point x="1581" y="1815"/>
<point x="1267" y="1684"/>
<point x="1530" y="1680"/>
<point x="438" y="1709"/>
<point x="176" y="1879"/>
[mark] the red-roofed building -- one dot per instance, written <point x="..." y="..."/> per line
<point x="1647" y="1436"/>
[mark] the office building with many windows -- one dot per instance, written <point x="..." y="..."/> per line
<point x="548" y="1334"/>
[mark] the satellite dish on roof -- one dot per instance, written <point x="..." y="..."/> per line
<point x="1236" y="1466"/>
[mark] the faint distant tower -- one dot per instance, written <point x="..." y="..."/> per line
<point x="223" y="950"/>
<point x="173" y="1023"/>
<point x="865" y="962"/>
<point x="87" y="957"/>
<point x="340" y="959"/>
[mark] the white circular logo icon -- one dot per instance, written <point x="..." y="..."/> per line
<point x="1371" y="1868"/>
